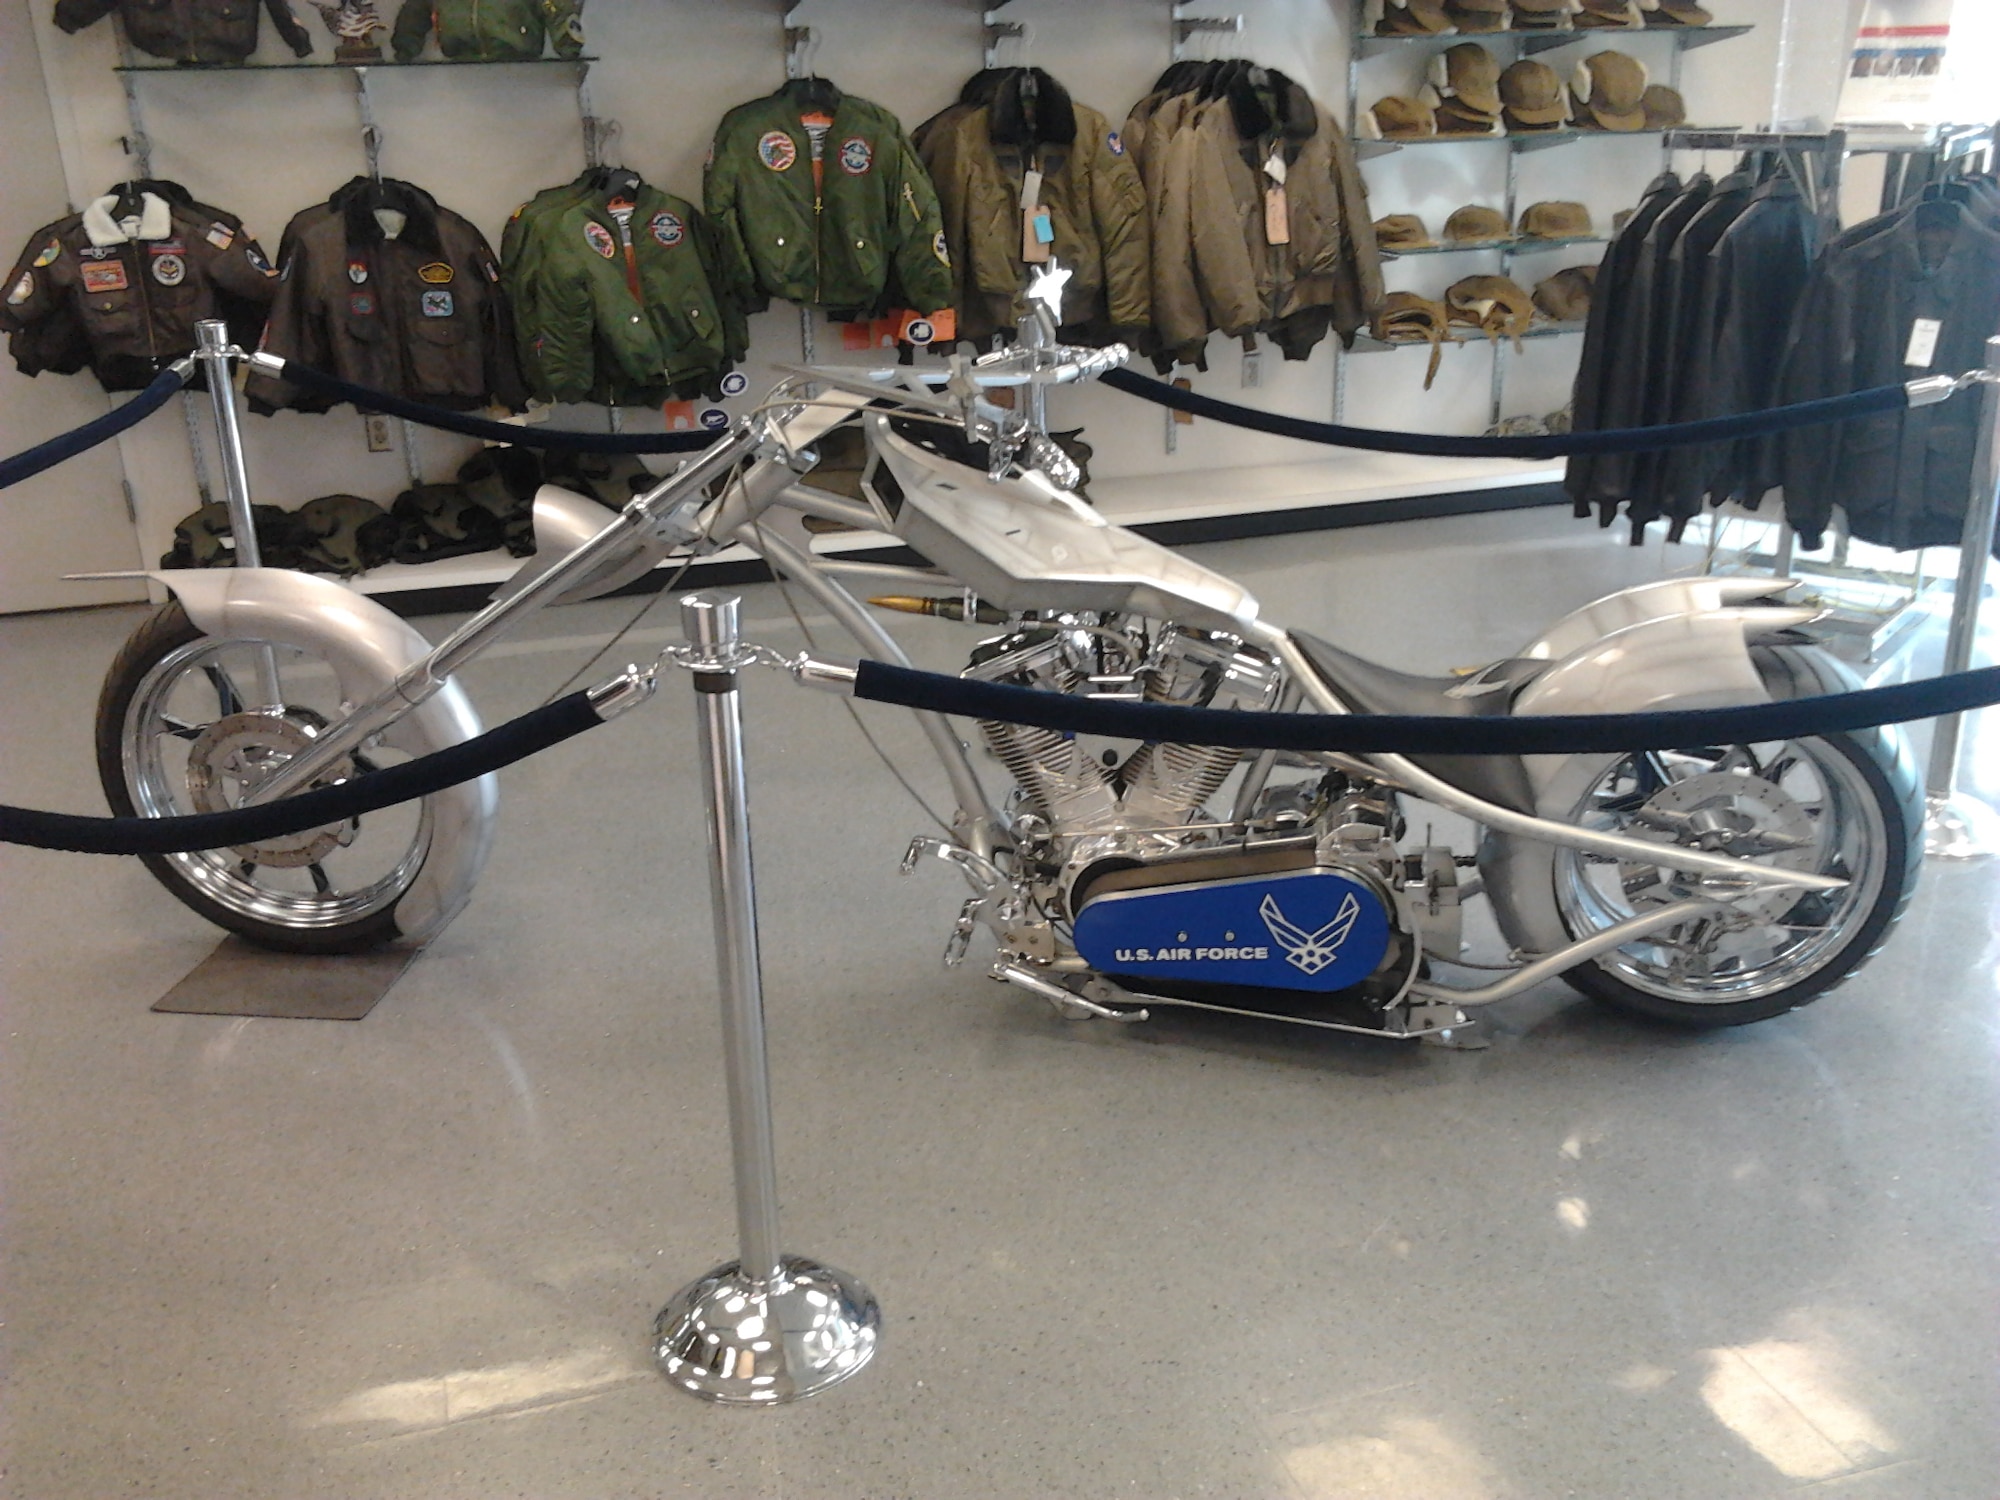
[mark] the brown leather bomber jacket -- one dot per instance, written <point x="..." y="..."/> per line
<point x="189" y="31"/>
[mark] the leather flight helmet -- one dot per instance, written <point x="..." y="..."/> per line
<point x="1677" y="13"/>
<point x="1663" y="107"/>
<point x="1543" y="15"/>
<point x="1410" y="318"/>
<point x="1610" y="88"/>
<point x="1396" y="118"/>
<point x="1413" y="18"/>
<point x="1622" y="14"/>
<point x="1565" y="296"/>
<point x="1495" y="305"/>
<point x="1533" y="97"/>
<point x="1403" y="232"/>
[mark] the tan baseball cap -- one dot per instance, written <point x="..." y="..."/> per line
<point x="1412" y="18"/>
<point x="1395" y="118"/>
<point x="1456" y="118"/>
<point x="1609" y="88"/>
<point x="1532" y="15"/>
<point x="1556" y="221"/>
<point x="1565" y="296"/>
<point x="1663" y="107"/>
<point x="1475" y="224"/>
<point x="1477" y="15"/>
<point x="1468" y="74"/>
<point x="1403" y="232"/>
<point x="1678" y="13"/>
<point x="1533" y="95"/>
<point x="1619" y="13"/>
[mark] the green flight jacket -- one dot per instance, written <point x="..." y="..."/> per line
<point x="866" y="232"/>
<point x="588" y="336"/>
<point x="488" y="30"/>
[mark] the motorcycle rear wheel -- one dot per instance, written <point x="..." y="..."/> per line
<point x="1845" y="805"/>
<point x="178" y="730"/>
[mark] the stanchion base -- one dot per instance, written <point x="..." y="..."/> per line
<point x="743" y="1342"/>
<point x="1960" y="828"/>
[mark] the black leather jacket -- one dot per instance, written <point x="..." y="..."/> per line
<point x="189" y="31"/>
<point x="1904" y="477"/>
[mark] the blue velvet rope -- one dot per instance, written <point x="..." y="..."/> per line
<point x="567" y="440"/>
<point x="1556" y="445"/>
<point x="1424" y="734"/>
<point x="100" y="429"/>
<point x="528" y="735"/>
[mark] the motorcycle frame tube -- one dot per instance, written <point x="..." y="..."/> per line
<point x="980" y="820"/>
<point x="427" y="676"/>
<point x="1554" y="965"/>
<point x="1421" y="783"/>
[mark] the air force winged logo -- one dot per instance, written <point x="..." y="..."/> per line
<point x="1310" y="952"/>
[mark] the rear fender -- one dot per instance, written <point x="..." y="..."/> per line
<point x="368" y="648"/>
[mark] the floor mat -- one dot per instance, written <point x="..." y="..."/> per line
<point x="239" y="980"/>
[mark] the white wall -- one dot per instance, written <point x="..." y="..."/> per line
<point x="483" y="139"/>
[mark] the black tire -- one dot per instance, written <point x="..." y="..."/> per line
<point x="1880" y="764"/>
<point x="203" y="882"/>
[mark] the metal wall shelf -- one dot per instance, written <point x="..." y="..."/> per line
<point x="308" y="66"/>
<point x="1524" y="245"/>
<point x="1532" y="42"/>
<point x="1365" y="343"/>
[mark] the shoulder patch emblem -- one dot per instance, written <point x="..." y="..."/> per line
<point x="437" y="273"/>
<point x="599" y="239"/>
<point x="938" y="248"/>
<point x="361" y="304"/>
<point x="169" y="270"/>
<point x="856" y="156"/>
<point x="668" y="229"/>
<point x="22" y="290"/>
<point x="357" y="271"/>
<point x="220" y="235"/>
<point x="1116" y="142"/>
<point x="257" y="262"/>
<point x="437" y="304"/>
<point x="777" y="150"/>
<point x="50" y="252"/>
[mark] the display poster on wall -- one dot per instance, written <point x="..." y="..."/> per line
<point x="1901" y="65"/>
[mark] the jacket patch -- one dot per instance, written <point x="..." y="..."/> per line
<point x="22" y="290"/>
<point x="856" y="156"/>
<point x="668" y="229"/>
<point x="1116" y="143"/>
<point x="257" y="262"/>
<point x="437" y="304"/>
<point x="599" y="239"/>
<point x="97" y="252"/>
<point x="105" y="278"/>
<point x="357" y="271"/>
<point x="437" y="273"/>
<point x="49" y="253"/>
<point x="219" y="235"/>
<point x="938" y="248"/>
<point x="169" y="269"/>
<point x="361" y="304"/>
<point x="777" y="150"/>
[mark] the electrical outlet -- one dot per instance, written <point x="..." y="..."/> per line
<point x="379" y="438"/>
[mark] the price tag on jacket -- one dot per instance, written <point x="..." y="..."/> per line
<point x="1037" y="228"/>
<point x="1277" y="211"/>
<point x="1923" y="343"/>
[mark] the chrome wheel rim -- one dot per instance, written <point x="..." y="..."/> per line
<point x="202" y="695"/>
<point x="1798" y="804"/>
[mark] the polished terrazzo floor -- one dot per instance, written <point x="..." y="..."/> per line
<point x="418" y="1256"/>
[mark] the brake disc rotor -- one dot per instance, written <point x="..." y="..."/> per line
<point x="1723" y="812"/>
<point x="235" y="754"/>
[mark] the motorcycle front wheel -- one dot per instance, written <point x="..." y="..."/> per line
<point x="1842" y="805"/>
<point x="181" y="728"/>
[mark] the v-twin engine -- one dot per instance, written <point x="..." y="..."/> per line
<point x="1085" y="791"/>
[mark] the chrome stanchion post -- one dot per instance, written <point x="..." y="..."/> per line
<point x="766" y="1327"/>
<point x="1957" y="825"/>
<point x="214" y="351"/>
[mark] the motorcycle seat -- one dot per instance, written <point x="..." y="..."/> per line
<point x="1369" y="687"/>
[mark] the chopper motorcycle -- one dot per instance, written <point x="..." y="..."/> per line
<point x="1710" y="886"/>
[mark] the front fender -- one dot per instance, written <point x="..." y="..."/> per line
<point x="367" y="647"/>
